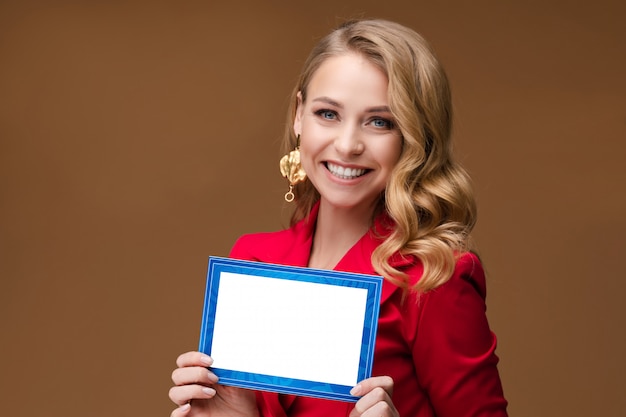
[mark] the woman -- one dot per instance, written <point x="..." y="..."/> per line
<point x="377" y="191"/>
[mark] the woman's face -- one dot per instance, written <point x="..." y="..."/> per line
<point x="349" y="143"/>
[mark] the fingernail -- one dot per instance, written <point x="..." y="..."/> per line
<point x="208" y="391"/>
<point x="212" y="377"/>
<point x="185" y="407"/>
<point x="355" y="391"/>
<point x="206" y="359"/>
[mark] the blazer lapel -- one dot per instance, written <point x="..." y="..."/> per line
<point x="358" y="258"/>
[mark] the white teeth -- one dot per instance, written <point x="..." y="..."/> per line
<point x="345" y="173"/>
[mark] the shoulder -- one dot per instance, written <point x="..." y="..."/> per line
<point x="290" y="246"/>
<point x="460" y="303"/>
<point x="467" y="280"/>
<point x="253" y="246"/>
<point x="468" y="270"/>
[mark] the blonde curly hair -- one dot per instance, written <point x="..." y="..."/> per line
<point x="429" y="196"/>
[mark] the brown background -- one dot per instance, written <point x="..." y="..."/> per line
<point x="137" y="139"/>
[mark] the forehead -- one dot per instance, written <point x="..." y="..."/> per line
<point x="349" y="75"/>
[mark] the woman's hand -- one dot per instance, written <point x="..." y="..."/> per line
<point x="375" y="398"/>
<point x="198" y="394"/>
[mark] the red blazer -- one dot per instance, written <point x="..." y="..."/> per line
<point x="439" y="349"/>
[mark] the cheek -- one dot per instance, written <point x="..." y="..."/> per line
<point x="311" y="144"/>
<point x="390" y="155"/>
<point x="306" y="159"/>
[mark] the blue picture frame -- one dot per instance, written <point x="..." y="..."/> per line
<point x="222" y="271"/>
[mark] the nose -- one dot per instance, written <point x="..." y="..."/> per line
<point x="348" y="141"/>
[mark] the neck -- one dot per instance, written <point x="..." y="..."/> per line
<point x="336" y="231"/>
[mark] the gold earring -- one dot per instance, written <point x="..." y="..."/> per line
<point x="291" y="169"/>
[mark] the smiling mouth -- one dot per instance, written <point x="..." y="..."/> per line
<point x="345" y="173"/>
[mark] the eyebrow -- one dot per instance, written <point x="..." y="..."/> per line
<point x="328" y="100"/>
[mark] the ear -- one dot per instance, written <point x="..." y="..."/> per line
<point x="297" y="122"/>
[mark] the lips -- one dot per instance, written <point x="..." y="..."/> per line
<point x="345" y="173"/>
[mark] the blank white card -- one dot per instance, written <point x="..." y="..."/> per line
<point x="289" y="328"/>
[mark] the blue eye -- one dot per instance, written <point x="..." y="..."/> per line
<point x="382" y="123"/>
<point x="326" y="114"/>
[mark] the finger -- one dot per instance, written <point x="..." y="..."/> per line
<point x="193" y="375"/>
<point x="380" y="409"/>
<point x="186" y="393"/>
<point x="367" y="385"/>
<point x="377" y="398"/>
<point x="194" y="359"/>
<point x="181" y="411"/>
